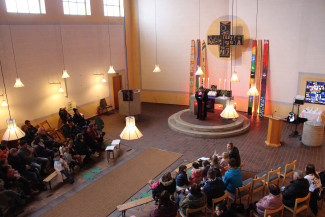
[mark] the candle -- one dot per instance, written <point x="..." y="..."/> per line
<point x="203" y="82"/>
<point x="208" y="82"/>
<point x="199" y="82"/>
<point x="224" y="87"/>
<point x="220" y="84"/>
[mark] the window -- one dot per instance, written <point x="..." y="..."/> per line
<point x="114" y="8"/>
<point x="76" y="7"/>
<point x="26" y="6"/>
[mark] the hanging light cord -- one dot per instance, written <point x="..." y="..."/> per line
<point x="256" y="18"/>
<point x="5" y="89"/>
<point x="126" y="60"/>
<point x="61" y="40"/>
<point x="232" y="31"/>
<point x="236" y="33"/>
<point x="199" y="19"/>
<point x="13" y="50"/>
<point x="109" y="43"/>
<point x="156" y="31"/>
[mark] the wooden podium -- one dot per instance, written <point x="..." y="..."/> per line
<point x="274" y="132"/>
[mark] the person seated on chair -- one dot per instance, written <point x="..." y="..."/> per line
<point x="196" y="174"/>
<point x="315" y="185"/>
<point x="234" y="153"/>
<point x="166" y="207"/>
<point x="205" y="169"/>
<point x="31" y="129"/>
<point x="78" y="119"/>
<point x="82" y="148"/>
<point x="68" y="158"/>
<point x="61" y="167"/>
<point x="298" y="188"/>
<point x="4" y="150"/>
<point x="201" y="97"/>
<point x="166" y="182"/>
<point x="70" y="130"/>
<point x="214" y="187"/>
<point x="48" y="140"/>
<point x="72" y="151"/>
<point x="41" y="150"/>
<point x="224" y="163"/>
<point x="271" y="201"/>
<point x="222" y="211"/>
<point x="215" y="165"/>
<point x="95" y="134"/>
<point x="91" y="140"/>
<point x="193" y="200"/>
<point x="181" y="178"/>
<point x="233" y="177"/>
<point x="28" y="136"/>
<point x="64" y="115"/>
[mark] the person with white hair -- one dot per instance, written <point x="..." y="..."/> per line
<point x="298" y="188"/>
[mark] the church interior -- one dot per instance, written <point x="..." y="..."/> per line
<point x="162" y="108"/>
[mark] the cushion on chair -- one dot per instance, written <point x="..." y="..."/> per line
<point x="272" y="177"/>
<point x="280" y="165"/>
<point x="257" y="185"/>
<point x="250" y="180"/>
<point x="262" y="173"/>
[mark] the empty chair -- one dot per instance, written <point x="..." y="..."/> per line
<point x="301" y="205"/>
<point x="287" y="170"/>
<point x="268" y="212"/>
<point x="242" y="193"/>
<point x="273" y="176"/>
<point x="258" y="184"/>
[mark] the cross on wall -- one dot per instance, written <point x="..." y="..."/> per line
<point x="225" y="39"/>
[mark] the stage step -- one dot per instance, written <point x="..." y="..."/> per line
<point x="238" y="127"/>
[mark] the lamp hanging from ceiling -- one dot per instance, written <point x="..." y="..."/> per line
<point x="157" y="68"/>
<point x="18" y="82"/>
<point x="4" y="102"/>
<point x="199" y="71"/>
<point x="253" y="91"/>
<point x="103" y="80"/>
<point x="130" y="131"/>
<point x="229" y="112"/>
<point x="13" y="132"/>
<point x="111" y="67"/>
<point x="234" y="77"/>
<point x="65" y="73"/>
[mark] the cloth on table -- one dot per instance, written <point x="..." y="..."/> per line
<point x="312" y="114"/>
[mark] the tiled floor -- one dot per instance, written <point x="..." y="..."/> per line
<point x="156" y="133"/>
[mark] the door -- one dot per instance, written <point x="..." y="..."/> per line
<point x="116" y="88"/>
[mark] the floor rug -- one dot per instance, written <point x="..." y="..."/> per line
<point x="101" y="197"/>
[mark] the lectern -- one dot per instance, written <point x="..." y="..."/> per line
<point x="274" y="132"/>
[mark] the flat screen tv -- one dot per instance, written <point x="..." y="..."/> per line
<point x="315" y="92"/>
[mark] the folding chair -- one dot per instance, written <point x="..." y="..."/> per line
<point x="301" y="204"/>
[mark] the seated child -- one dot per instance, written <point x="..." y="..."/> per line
<point x="68" y="158"/>
<point x="224" y="163"/>
<point x="205" y="169"/>
<point x="181" y="178"/>
<point x="196" y="174"/>
<point x="61" y="167"/>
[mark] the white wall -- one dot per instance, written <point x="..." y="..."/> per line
<point x="294" y="27"/>
<point x="39" y="61"/>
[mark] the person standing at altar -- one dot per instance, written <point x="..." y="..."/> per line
<point x="201" y="98"/>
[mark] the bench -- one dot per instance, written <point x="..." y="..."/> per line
<point x="110" y="149"/>
<point x="49" y="178"/>
<point x="122" y="208"/>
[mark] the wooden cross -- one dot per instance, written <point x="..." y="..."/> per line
<point x="225" y="39"/>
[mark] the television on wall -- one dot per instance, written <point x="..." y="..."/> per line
<point x="315" y="92"/>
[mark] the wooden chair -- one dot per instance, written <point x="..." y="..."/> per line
<point x="273" y="177"/>
<point x="287" y="170"/>
<point x="322" y="193"/>
<point x="218" y="200"/>
<point x="258" y="184"/>
<point x="53" y="132"/>
<point x="244" y="193"/>
<point x="268" y="212"/>
<point x="301" y="204"/>
<point x="104" y="106"/>
<point x="47" y="127"/>
<point x="189" y="211"/>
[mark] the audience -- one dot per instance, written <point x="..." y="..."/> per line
<point x="196" y="174"/>
<point x="82" y="148"/>
<point x="194" y="199"/>
<point x="233" y="177"/>
<point x="298" y="188"/>
<point x="41" y="150"/>
<point x="214" y="187"/>
<point x="166" y="182"/>
<point x="234" y="153"/>
<point x="64" y="115"/>
<point x="69" y="130"/>
<point x="48" y="139"/>
<point x="205" y="169"/>
<point x="314" y="186"/>
<point x="216" y="165"/>
<point x="166" y="207"/>
<point x="181" y="178"/>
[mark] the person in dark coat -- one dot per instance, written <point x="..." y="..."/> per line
<point x="41" y="150"/>
<point x="64" y="115"/>
<point x="201" y="97"/>
<point x="81" y="147"/>
<point x="48" y="139"/>
<point x="298" y="188"/>
<point x="166" y="207"/>
<point x="193" y="200"/>
<point x="181" y="178"/>
<point x="78" y="119"/>
<point x="234" y="153"/>
<point x="214" y="187"/>
<point x="70" y="130"/>
<point x="167" y="183"/>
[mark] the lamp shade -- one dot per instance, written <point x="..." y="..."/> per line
<point x="65" y="74"/>
<point x="111" y="70"/>
<point x="130" y="131"/>
<point x="199" y="71"/>
<point x="61" y="90"/>
<point x="234" y="77"/>
<point x="229" y="112"/>
<point x="157" y="68"/>
<point x="18" y="83"/>
<point x="253" y="91"/>
<point x="13" y="132"/>
<point x="4" y="103"/>
<point x="103" y="80"/>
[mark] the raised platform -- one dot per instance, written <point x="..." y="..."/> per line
<point x="213" y="127"/>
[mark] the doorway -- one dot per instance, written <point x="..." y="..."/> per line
<point x="116" y="88"/>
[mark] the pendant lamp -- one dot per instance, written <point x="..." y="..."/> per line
<point x="65" y="74"/>
<point x="229" y="112"/>
<point x="130" y="131"/>
<point x="199" y="71"/>
<point x="13" y="132"/>
<point x="157" y="68"/>
<point x="61" y="90"/>
<point x="18" y="83"/>
<point x="4" y="103"/>
<point x="111" y="70"/>
<point x="234" y="77"/>
<point x="253" y="91"/>
<point x="103" y="80"/>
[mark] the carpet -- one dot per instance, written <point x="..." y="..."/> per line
<point x="101" y="197"/>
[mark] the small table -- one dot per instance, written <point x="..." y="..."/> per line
<point x="313" y="133"/>
<point x="110" y="149"/>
